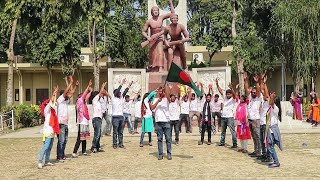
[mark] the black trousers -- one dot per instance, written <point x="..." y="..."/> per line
<point x="77" y="145"/>
<point x="206" y="126"/>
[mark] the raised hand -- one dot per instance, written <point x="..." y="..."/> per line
<point x="265" y="79"/>
<point x="245" y="76"/>
<point x="210" y="86"/>
<point x="230" y="85"/>
<point x="217" y="81"/>
<point x="90" y="89"/>
<point x="256" y="78"/>
<point x="130" y="83"/>
<point x="70" y="79"/>
<point x="189" y="90"/>
<point x="90" y="82"/>
<point x="237" y="86"/>
<point x="123" y="81"/>
<point x="170" y="86"/>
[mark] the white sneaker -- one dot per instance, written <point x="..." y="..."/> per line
<point x="49" y="164"/>
<point x="74" y="155"/>
<point x="39" y="165"/>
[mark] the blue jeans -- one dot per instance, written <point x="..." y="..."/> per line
<point x="273" y="152"/>
<point x="142" y="137"/>
<point x="228" y="122"/>
<point x="164" y="128"/>
<point x="62" y="140"/>
<point x="117" y="123"/>
<point x="127" y="119"/>
<point x="262" y="136"/>
<point x="108" y="127"/>
<point x="96" y="123"/>
<point x="46" y="150"/>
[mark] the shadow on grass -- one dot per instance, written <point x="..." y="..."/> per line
<point x="155" y="154"/>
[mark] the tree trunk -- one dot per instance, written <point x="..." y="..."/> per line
<point x="10" y="54"/>
<point x="239" y="60"/>
<point x="96" y="68"/>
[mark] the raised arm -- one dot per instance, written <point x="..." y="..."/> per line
<point x="265" y="89"/>
<point x="73" y="89"/>
<point x="65" y="93"/>
<point x="257" y="80"/>
<point x="127" y="89"/>
<point x="101" y="92"/>
<point x="232" y="90"/>
<point x="54" y="94"/>
<point x="165" y="16"/>
<point x="86" y="91"/>
<point x="88" y="94"/>
<point x="218" y="87"/>
<point x="119" y="88"/>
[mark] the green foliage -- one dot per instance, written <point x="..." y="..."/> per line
<point x="24" y="115"/>
<point x="163" y="4"/>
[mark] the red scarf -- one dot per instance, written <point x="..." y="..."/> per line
<point x="54" y="123"/>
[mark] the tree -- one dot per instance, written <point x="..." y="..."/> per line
<point x="296" y="28"/>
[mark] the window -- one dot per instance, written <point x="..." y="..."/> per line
<point x="28" y="94"/>
<point x="16" y="94"/>
<point x="41" y="95"/>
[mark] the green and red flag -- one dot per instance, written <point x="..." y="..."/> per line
<point x="177" y="74"/>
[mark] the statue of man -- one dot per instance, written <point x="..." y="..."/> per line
<point x="156" y="53"/>
<point x="176" y="44"/>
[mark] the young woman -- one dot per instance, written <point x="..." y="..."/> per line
<point x="313" y="114"/>
<point x="82" y="121"/>
<point x="146" y="113"/>
<point x="243" y="130"/>
<point x="296" y="102"/>
<point x="50" y="128"/>
<point x="273" y="135"/>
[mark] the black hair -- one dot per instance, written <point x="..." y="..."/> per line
<point x="61" y="92"/>
<point x="127" y="96"/>
<point x="208" y="95"/>
<point x="172" y="95"/>
<point x="216" y="95"/>
<point x="244" y="97"/>
<point x="145" y="96"/>
<point x="139" y="96"/>
<point x="193" y="94"/>
<point x="228" y="91"/>
<point x="93" y="94"/>
<point x="278" y="104"/>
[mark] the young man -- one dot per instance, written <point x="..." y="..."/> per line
<point x="98" y="110"/>
<point x="137" y="112"/>
<point x="254" y="107"/>
<point x="185" y="110"/>
<point x="104" y="106"/>
<point x="216" y="108"/>
<point x="127" y="113"/>
<point x="194" y="109"/>
<point x="63" y="117"/>
<point x="206" y="120"/>
<point x="227" y="116"/>
<point x="174" y="114"/>
<point x="117" y="115"/>
<point x="163" y="122"/>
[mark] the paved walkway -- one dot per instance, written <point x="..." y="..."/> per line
<point x="287" y="126"/>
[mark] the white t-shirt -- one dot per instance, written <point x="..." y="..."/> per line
<point x="274" y="116"/>
<point x="174" y="113"/>
<point x="127" y="107"/>
<point x="194" y="105"/>
<point x="104" y="103"/>
<point x="62" y="113"/>
<point x="97" y="106"/>
<point x="228" y="107"/>
<point x="254" y="107"/>
<point x="137" y="109"/>
<point x="263" y="112"/>
<point x="117" y="106"/>
<point x="216" y="106"/>
<point x="47" y="129"/>
<point x="201" y="104"/>
<point x="162" y="111"/>
<point x="185" y="107"/>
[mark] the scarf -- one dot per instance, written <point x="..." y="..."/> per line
<point x="241" y="112"/>
<point x="206" y="108"/>
<point x="54" y="123"/>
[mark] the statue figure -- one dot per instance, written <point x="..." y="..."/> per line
<point x="155" y="40"/>
<point x="175" y="46"/>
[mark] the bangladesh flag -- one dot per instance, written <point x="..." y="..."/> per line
<point x="177" y="74"/>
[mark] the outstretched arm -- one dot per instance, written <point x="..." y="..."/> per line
<point x="102" y="89"/>
<point x="127" y="89"/>
<point x="246" y="83"/>
<point x="65" y="93"/>
<point x="86" y="91"/>
<point x="74" y="89"/>
<point x="218" y="87"/>
<point x="257" y="80"/>
<point x="165" y="16"/>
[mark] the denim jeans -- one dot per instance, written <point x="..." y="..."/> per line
<point x="127" y="119"/>
<point x="46" y="150"/>
<point x="175" y="125"/>
<point x="136" y="122"/>
<point x="117" y="137"/>
<point x="262" y="135"/>
<point x="142" y="137"/>
<point x="108" y="127"/>
<point x="187" y="120"/>
<point x="273" y="152"/>
<point x="163" y="128"/>
<point x="228" y="122"/>
<point x="62" y="140"/>
<point x="255" y="132"/>
<point x="96" y="123"/>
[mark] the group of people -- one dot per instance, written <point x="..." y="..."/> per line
<point x="163" y="111"/>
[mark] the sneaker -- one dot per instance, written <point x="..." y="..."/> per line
<point x="94" y="150"/>
<point x="209" y="143"/>
<point x="169" y="157"/>
<point x="234" y="146"/>
<point x="60" y="160"/>
<point x="274" y="165"/>
<point x="221" y="144"/>
<point x="122" y="146"/>
<point x="85" y="154"/>
<point x="267" y="160"/>
<point x="160" y="157"/>
<point x="49" y="164"/>
<point x="39" y="165"/>
<point x="200" y="143"/>
<point x="66" y="158"/>
<point x="74" y="155"/>
<point x="115" y="146"/>
<point x="176" y="143"/>
<point x="150" y="144"/>
<point x="141" y="145"/>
